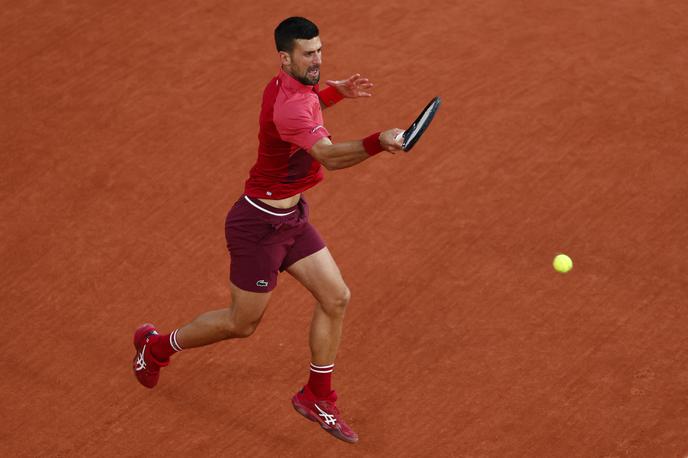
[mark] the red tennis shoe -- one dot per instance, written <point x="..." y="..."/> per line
<point x="146" y="366"/>
<point x="325" y="412"/>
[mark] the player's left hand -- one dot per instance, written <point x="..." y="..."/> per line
<point x="352" y="87"/>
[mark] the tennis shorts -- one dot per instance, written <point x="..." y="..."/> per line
<point x="264" y="240"/>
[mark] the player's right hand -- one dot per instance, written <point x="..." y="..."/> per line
<point x="391" y="140"/>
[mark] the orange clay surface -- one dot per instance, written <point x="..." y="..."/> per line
<point x="127" y="130"/>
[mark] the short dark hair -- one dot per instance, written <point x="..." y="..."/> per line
<point x="294" y="28"/>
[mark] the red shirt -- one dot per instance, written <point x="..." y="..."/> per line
<point x="291" y="123"/>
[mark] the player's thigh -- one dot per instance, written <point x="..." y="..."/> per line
<point x="320" y="274"/>
<point x="247" y="307"/>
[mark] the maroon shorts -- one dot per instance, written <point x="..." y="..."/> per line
<point x="264" y="240"/>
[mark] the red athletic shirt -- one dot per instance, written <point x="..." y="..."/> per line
<point x="291" y="123"/>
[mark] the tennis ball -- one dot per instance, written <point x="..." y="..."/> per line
<point x="562" y="263"/>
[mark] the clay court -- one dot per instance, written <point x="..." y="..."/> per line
<point x="126" y="133"/>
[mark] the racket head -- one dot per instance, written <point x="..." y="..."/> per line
<point x="416" y="130"/>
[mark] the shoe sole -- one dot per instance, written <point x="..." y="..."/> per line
<point x="335" y="432"/>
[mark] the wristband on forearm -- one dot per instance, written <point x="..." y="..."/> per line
<point x="329" y="96"/>
<point x="372" y="144"/>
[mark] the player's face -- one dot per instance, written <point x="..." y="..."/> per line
<point x="303" y="63"/>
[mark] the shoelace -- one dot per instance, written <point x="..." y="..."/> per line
<point x="140" y="361"/>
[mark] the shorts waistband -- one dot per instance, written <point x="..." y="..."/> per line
<point x="262" y="206"/>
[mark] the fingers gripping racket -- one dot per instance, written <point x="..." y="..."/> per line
<point x="411" y="135"/>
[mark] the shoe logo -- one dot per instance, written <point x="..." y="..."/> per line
<point x="317" y="128"/>
<point x="329" y="418"/>
<point x="140" y="362"/>
<point x="262" y="283"/>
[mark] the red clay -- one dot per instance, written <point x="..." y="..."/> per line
<point x="127" y="130"/>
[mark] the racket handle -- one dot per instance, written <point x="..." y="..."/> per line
<point x="399" y="137"/>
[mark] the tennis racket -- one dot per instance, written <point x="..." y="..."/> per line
<point x="411" y="135"/>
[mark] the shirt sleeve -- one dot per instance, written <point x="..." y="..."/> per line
<point x="296" y="124"/>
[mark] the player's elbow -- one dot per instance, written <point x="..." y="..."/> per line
<point x="321" y="152"/>
<point x="330" y="164"/>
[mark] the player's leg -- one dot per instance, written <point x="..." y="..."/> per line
<point x="320" y="274"/>
<point x="153" y="351"/>
<point x="239" y="320"/>
<point x="256" y="252"/>
<point x="253" y="275"/>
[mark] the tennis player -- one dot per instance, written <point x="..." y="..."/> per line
<point x="268" y="231"/>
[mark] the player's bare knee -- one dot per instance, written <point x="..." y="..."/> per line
<point x="336" y="304"/>
<point x="246" y="330"/>
<point x="235" y="330"/>
<point x="241" y="331"/>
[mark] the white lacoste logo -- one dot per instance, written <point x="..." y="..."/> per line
<point x="140" y="362"/>
<point x="262" y="283"/>
<point x="316" y="128"/>
<point x="329" y="419"/>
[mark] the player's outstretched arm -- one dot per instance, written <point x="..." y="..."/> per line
<point x="335" y="156"/>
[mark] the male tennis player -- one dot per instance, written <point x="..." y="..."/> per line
<point x="267" y="229"/>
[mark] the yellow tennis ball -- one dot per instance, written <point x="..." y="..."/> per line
<point x="562" y="263"/>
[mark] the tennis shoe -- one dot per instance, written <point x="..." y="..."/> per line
<point x="146" y="366"/>
<point x="324" y="412"/>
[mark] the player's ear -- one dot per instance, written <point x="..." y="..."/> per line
<point x="285" y="58"/>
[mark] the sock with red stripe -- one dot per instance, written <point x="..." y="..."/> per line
<point x="320" y="380"/>
<point x="165" y="346"/>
